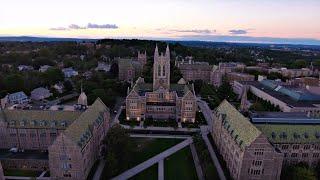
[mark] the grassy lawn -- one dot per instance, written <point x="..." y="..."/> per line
<point x="26" y="173"/>
<point x="180" y="166"/>
<point x="142" y="150"/>
<point x="145" y="148"/>
<point x="150" y="173"/>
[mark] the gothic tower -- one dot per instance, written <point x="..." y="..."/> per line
<point x="161" y="70"/>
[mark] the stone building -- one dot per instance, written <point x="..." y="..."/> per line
<point x="161" y="100"/>
<point x="247" y="152"/>
<point x="295" y="134"/>
<point x="288" y="98"/>
<point x="131" y="69"/>
<point x="75" y="150"/>
<point x="235" y="76"/>
<point x="72" y="139"/>
<point x="192" y="70"/>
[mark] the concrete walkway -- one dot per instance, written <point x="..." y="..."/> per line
<point x="213" y="156"/>
<point x="159" y="136"/>
<point x="99" y="170"/>
<point x="160" y="170"/>
<point x="137" y="169"/>
<point x="197" y="162"/>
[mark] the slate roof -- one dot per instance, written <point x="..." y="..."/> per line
<point x="240" y="128"/>
<point x="80" y="131"/>
<point x="38" y="118"/>
<point x="291" y="133"/>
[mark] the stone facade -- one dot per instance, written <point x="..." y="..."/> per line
<point x="142" y="58"/>
<point x="298" y="143"/>
<point x="72" y="138"/>
<point x="246" y="151"/>
<point x="1" y="172"/>
<point x="161" y="100"/>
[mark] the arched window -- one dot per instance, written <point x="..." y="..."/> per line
<point x="159" y="70"/>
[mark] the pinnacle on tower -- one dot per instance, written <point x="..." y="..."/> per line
<point x="167" y="51"/>
<point x="156" y="52"/>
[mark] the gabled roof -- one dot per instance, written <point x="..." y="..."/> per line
<point x="80" y="131"/>
<point x="240" y="128"/>
<point x="38" y="118"/>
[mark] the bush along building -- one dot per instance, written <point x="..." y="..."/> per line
<point x="246" y="150"/>
<point x="67" y="143"/>
<point x="161" y="100"/>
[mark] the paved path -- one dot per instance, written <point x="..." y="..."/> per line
<point x="99" y="170"/>
<point x="160" y="170"/>
<point x="213" y="155"/>
<point x="162" y="128"/>
<point x="43" y="173"/>
<point x="196" y="162"/>
<point x="160" y="136"/>
<point x="137" y="169"/>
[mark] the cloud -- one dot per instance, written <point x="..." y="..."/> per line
<point x="102" y="26"/>
<point x="75" y="26"/>
<point x="59" y="29"/>
<point x="197" y="31"/>
<point x="89" y="26"/>
<point x="238" y="31"/>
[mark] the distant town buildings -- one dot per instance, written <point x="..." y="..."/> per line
<point x="25" y="68"/>
<point x="246" y="150"/>
<point x="44" y="68"/>
<point x="161" y="100"/>
<point x="69" y="72"/>
<point x="40" y="93"/>
<point x="102" y="66"/>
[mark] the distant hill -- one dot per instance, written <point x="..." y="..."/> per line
<point x="202" y="44"/>
<point x="40" y="39"/>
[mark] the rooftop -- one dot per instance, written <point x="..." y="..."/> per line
<point x="283" y="118"/>
<point x="240" y="128"/>
<point x="284" y="133"/>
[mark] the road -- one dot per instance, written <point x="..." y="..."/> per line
<point x="207" y="112"/>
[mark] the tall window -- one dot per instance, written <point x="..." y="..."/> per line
<point x="159" y="70"/>
<point x="163" y="70"/>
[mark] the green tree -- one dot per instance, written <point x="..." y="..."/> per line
<point x="14" y="82"/>
<point x="300" y="63"/>
<point x="52" y="76"/>
<point x="117" y="151"/>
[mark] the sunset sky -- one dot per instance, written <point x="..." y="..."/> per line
<point x="217" y="20"/>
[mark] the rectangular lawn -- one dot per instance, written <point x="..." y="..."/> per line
<point x="180" y="166"/>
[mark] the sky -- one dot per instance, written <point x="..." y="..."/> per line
<point x="278" y="21"/>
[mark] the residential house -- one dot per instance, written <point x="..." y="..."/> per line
<point x="69" y="72"/>
<point x="17" y="98"/>
<point x="40" y="93"/>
